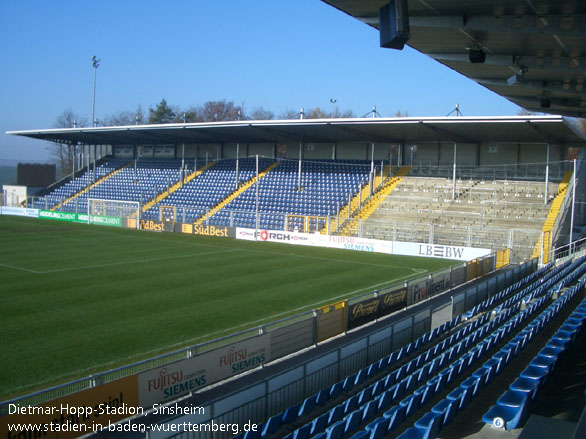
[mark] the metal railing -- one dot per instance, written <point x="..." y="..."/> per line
<point x="521" y="171"/>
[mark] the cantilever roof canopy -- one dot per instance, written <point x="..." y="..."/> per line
<point x="542" y="40"/>
<point x="513" y="129"/>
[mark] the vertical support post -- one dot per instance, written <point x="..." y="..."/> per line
<point x="74" y="158"/>
<point x="237" y="164"/>
<point x="299" y="173"/>
<point x="256" y="186"/>
<point x="573" y="206"/>
<point x="400" y="155"/>
<point x="182" y="155"/>
<point x="454" y="173"/>
<point x="349" y="203"/>
<point x="382" y="167"/>
<point x="546" y="176"/>
<point x="206" y="159"/>
<point x="95" y="148"/>
<point x="88" y="164"/>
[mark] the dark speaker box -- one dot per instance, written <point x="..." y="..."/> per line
<point x="393" y="21"/>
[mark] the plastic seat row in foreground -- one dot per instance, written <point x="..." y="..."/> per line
<point x="429" y="425"/>
<point x="294" y="412"/>
<point x="511" y="407"/>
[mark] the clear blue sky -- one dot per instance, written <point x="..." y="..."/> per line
<point x="279" y="54"/>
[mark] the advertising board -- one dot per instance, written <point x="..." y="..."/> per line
<point x="363" y="244"/>
<point x="182" y="377"/>
<point x="75" y="415"/>
<point x="19" y="211"/>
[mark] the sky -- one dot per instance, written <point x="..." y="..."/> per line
<point x="277" y="54"/>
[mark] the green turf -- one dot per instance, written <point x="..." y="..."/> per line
<point x="79" y="299"/>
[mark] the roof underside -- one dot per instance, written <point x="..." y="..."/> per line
<point x="545" y="38"/>
<point x="516" y="129"/>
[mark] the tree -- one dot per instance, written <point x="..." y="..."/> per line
<point x="400" y="113"/>
<point x="319" y="113"/>
<point x="63" y="153"/>
<point x="337" y="113"/>
<point x="215" y="111"/>
<point x="162" y="114"/>
<point x="289" y="114"/>
<point x="315" y="113"/>
<point x="120" y="119"/>
<point x="261" y="113"/>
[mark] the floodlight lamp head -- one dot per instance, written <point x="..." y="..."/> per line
<point x="518" y="78"/>
<point x="476" y="56"/>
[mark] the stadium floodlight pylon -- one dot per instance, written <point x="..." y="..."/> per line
<point x="305" y="223"/>
<point x="125" y="210"/>
<point x="167" y="213"/>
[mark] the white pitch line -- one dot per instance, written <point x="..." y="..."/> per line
<point x="136" y="261"/>
<point x="14" y="267"/>
<point x="113" y="264"/>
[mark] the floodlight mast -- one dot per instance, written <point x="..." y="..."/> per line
<point x="95" y="65"/>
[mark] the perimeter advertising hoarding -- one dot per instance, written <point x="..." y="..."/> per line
<point x="182" y="377"/>
<point x="74" y="415"/>
<point x="376" y="307"/>
<point x="316" y="240"/>
<point x="59" y="216"/>
<point x="81" y="218"/>
<point x="19" y="211"/>
<point x="363" y="244"/>
<point x="156" y="226"/>
<point x="203" y="230"/>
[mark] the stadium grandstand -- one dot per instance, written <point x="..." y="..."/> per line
<point x="491" y="348"/>
<point x="489" y="183"/>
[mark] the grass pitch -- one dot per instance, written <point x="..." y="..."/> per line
<point x="79" y="299"/>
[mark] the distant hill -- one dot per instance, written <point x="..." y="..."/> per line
<point x="7" y="175"/>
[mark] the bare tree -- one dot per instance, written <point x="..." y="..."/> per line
<point x="289" y="114"/>
<point x="120" y="119"/>
<point x="261" y="113"/>
<point x="400" y="113"/>
<point x="62" y="153"/>
<point x="320" y="113"/>
<point x="214" y="111"/>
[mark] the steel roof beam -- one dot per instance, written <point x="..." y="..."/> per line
<point x="562" y="64"/>
<point x="561" y="25"/>
<point x="361" y="135"/>
<point x="456" y="138"/>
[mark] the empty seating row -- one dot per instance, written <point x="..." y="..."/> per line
<point x="325" y="186"/>
<point x="402" y="380"/>
<point x="196" y="197"/>
<point x="512" y="405"/>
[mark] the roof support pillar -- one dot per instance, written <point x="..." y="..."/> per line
<point x="372" y="175"/>
<point x="454" y="174"/>
<point x="400" y="155"/>
<point x="237" y="168"/>
<point x="74" y="159"/>
<point x="573" y="206"/>
<point x="546" y="194"/>
<point x="299" y="172"/>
